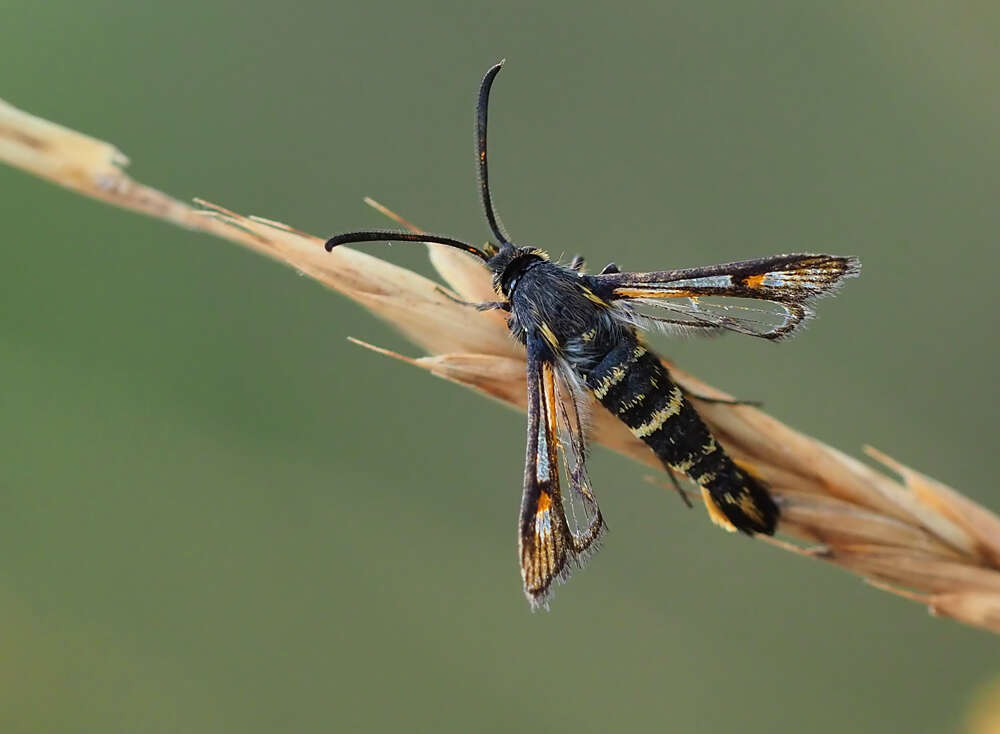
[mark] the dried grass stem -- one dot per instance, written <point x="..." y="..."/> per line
<point x="912" y="536"/>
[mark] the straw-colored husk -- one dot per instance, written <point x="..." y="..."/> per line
<point x="912" y="536"/>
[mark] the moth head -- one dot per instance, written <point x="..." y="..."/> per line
<point x="510" y="263"/>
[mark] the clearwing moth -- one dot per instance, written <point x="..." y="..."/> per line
<point x="581" y="334"/>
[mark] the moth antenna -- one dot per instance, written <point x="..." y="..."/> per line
<point x="391" y="236"/>
<point x="484" y="179"/>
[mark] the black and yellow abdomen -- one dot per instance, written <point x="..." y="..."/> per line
<point x="633" y="384"/>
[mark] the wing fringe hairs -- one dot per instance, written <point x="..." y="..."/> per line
<point x="912" y="536"/>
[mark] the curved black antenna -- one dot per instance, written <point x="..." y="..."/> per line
<point x="484" y="180"/>
<point x="391" y="236"/>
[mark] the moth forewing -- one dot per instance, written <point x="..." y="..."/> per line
<point x="542" y="535"/>
<point x="547" y="545"/>
<point x="698" y="299"/>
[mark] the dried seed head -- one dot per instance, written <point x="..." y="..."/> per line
<point x="916" y="538"/>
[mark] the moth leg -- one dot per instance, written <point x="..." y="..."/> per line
<point x="482" y="306"/>
<point x="492" y="306"/>
<point x="720" y="401"/>
<point x="577" y="263"/>
<point x="679" y="489"/>
<point x="609" y="269"/>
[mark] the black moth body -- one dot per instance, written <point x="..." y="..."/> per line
<point x="571" y="312"/>
<point x="580" y="333"/>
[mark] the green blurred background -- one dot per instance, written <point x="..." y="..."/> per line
<point x="218" y="515"/>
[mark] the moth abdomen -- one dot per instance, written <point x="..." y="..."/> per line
<point x="632" y="383"/>
<point x="737" y="500"/>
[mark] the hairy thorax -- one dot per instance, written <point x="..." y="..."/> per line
<point x="558" y="304"/>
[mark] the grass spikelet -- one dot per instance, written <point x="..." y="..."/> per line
<point x="907" y="534"/>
